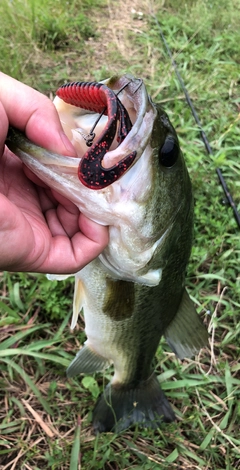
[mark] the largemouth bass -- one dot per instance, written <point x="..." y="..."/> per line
<point x="130" y="175"/>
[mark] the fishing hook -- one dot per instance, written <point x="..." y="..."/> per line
<point x="89" y="138"/>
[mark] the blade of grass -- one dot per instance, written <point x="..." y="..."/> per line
<point x="75" y="453"/>
<point x="26" y="352"/>
<point x="62" y="327"/>
<point x="173" y="456"/>
<point x="5" y="308"/>
<point x="20" y="335"/>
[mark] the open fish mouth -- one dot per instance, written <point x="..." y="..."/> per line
<point x="107" y="128"/>
<point x="101" y="99"/>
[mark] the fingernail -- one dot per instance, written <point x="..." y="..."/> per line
<point x="68" y="145"/>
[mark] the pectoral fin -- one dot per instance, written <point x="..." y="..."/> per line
<point x="77" y="301"/>
<point x="186" y="334"/>
<point x="87" y="361"/>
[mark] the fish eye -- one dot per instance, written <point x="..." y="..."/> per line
<point x="169" y="152"/>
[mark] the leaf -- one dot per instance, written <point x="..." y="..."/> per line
<point x="91" y="384"/>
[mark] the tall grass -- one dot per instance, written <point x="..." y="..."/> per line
<point x="35" y="34"/>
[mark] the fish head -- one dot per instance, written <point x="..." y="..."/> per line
<point x="121" y="115"/>
<point x="156" y="175"/>
<point x="129" y="172"/>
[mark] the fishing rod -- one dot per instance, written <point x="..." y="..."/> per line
<point x="202" y="133"/>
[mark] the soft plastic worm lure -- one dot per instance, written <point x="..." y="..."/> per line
<point x="99" y="98"/>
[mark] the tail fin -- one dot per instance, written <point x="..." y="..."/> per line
<point x="186" y="334"/>
<point x="120" y="407"/>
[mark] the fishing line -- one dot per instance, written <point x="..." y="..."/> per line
<point x="202" y="133"/>
<point x="89" y="138"/>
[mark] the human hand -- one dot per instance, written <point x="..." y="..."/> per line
<point x="40" y="231"/>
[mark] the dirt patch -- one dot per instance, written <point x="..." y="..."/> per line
<point x="118" y="27"/>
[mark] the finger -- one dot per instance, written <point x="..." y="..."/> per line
<point x="13" y="182"/>
<point x="16" y="236"/>
<point x="62" y="222"/>
<point x="3" y="127"/>
<point x="67" y="213"/>
<point x="35" y="114"/>
<point x="68" y="220"/>
<point x="30" y="175"/>
<point x="68" y="256"/>
<point x="61" y="215"/>
<point x="93" y="231"/>
<point x="70" y="206"/>
<point x="54" y="223"/>
<point x="46" y="199"/>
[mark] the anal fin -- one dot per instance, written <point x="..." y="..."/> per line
<point x="87" y="361"/>
<point x="186" y="334"/>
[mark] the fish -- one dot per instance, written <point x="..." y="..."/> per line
<point x="130" y="175"/>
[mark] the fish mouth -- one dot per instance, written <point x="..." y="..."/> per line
<point x="99" y="98"/>
<point x="122" y="102"/>
<point x="104" y="122"/>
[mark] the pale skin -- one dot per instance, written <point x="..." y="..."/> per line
<point x="40" y="231"/>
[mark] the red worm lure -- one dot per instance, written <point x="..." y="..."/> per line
<point x="99" y="98"/>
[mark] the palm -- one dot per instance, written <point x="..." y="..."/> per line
<point x="42" y="229"/>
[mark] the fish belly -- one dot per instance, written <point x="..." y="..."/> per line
<point x="122" y="328"/>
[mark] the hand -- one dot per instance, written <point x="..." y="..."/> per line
<point x="40" y="231"/>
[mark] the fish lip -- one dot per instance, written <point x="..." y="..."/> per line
<point x="136" y="138"/>
<point x="29" y="152"/>
<point x="55" y="159"/>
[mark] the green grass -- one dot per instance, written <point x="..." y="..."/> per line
<point x="45" y="44"/>
<point x="39" y="39"/>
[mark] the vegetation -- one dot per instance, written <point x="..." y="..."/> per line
<point x="46" y="419"/>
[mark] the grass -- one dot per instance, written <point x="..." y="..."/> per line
<point x="45" y="419"/>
